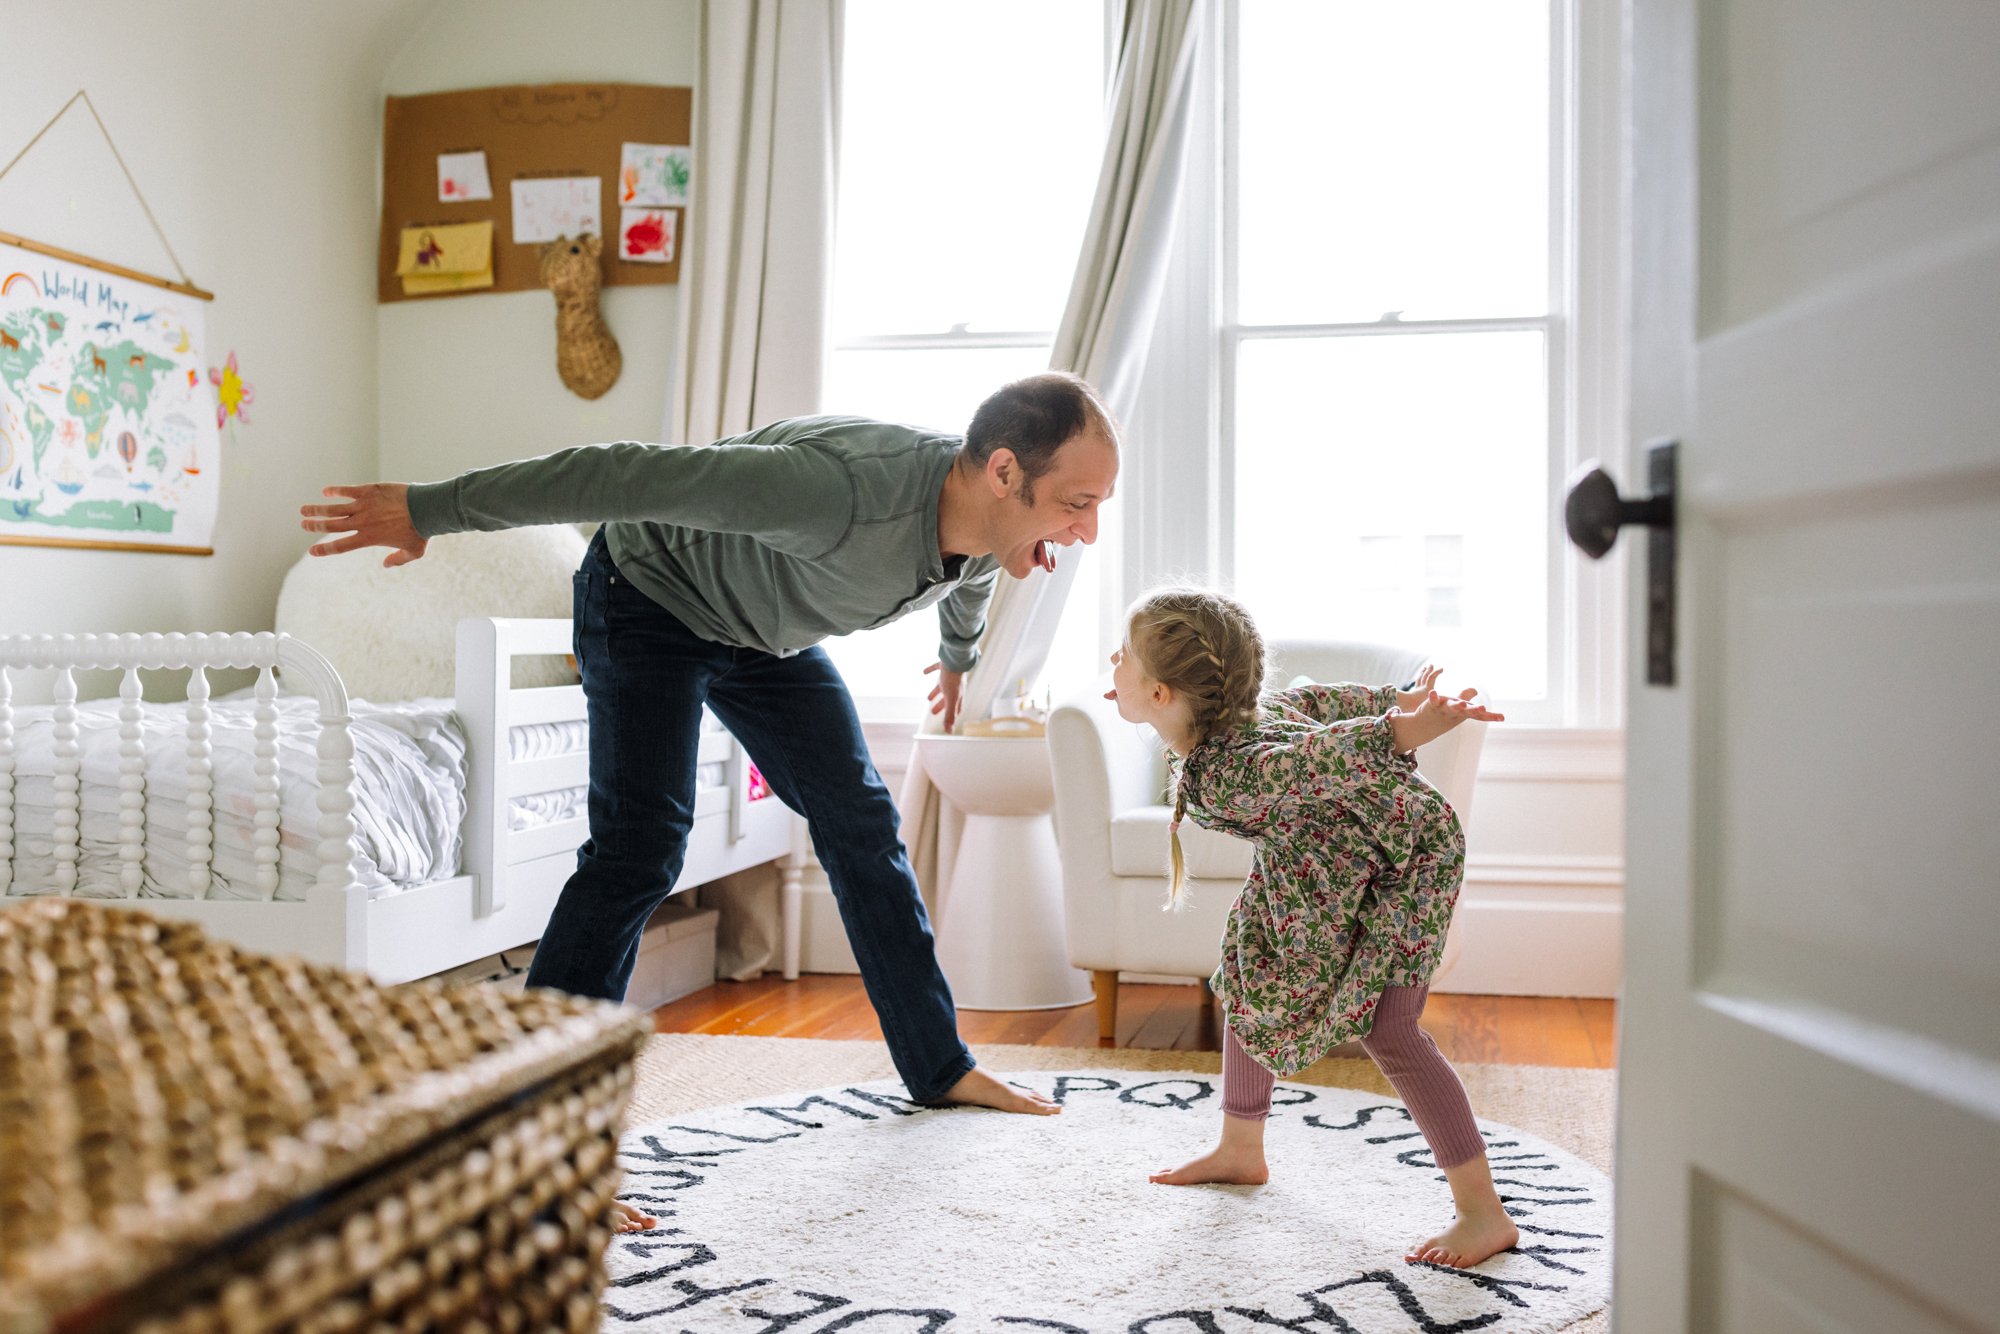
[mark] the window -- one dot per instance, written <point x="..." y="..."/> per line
<point x="1389" y="326"/>
<point x="968" y="159"/>
<point x="1393" y="333"/>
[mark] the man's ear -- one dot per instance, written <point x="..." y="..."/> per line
<point x="1002" y="470"/>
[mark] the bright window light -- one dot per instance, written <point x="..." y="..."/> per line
<point x="1392" y="157"/>
<point x="1371" y="506"/>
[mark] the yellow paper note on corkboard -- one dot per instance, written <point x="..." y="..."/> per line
<point x="446" y="259"/>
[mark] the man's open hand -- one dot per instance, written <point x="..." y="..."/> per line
<point x="945" y="694"/>
<point x="375" y="515"/>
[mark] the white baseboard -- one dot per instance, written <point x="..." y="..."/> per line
<point x="1537" y="927"/>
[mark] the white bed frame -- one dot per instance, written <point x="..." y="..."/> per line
<point x="511" y="880"/>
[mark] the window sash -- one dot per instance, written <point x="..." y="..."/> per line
<point x="1560" y="703"/>
<point x="1044" y="339"/>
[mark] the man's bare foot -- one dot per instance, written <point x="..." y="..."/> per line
<point x="625" y="1218"/>
<point x="1235" y="1164"/>
<point x="979" y="1089"/>
<point x="1468" y="1241"/>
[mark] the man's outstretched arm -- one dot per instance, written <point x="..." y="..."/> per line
<point x="795" y="498"/>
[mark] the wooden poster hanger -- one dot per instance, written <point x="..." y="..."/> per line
<point x="185" y="286"/>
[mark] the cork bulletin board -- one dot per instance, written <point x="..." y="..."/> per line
<point x="528" y="133"/>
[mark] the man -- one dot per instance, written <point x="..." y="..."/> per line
<point x="716" y="571"/>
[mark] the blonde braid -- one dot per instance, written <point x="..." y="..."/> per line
<point x="1204" y="646"/>
<point x="1176" y="860"/>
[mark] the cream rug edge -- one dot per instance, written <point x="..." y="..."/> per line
<point x="680" y="1072"/>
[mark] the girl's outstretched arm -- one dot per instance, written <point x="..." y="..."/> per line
<point x="1335" y="703"/>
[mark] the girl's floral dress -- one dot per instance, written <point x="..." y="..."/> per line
<point x="1358" y="866"/>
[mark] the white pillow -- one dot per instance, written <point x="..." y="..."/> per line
<point x="393" y="634"/>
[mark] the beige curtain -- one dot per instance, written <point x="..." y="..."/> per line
<point x="755" y="283"/>
<point x="1104" y="335"/>
<point x="756" y="280"/>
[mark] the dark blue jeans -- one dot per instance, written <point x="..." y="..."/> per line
<point x="645" y="679"/>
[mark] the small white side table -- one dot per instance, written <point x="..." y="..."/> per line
<point x="1000" y="934"/>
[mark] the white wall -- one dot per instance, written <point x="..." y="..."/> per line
<point x="250" y="126"/>
<point x="471" y="381"/>
<point x="1542" y="911"/>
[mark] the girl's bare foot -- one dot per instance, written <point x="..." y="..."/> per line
<point x="1234" y="1164"/>
<point x="1238" y="1158"/>
<point x="1481" y="1229"/>
<point x="1468" y="1241"/>
<point x="979" y="1089"/>
<point x="625" y="1218"/>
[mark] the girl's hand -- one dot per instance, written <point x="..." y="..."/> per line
<point x="1409" y="701"/>
<point x="1437" y="715"/>
<point x="1460" y="707"/>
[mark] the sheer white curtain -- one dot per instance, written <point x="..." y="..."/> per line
<point x="755" y="282"/>
<point x="1105" y="331"/>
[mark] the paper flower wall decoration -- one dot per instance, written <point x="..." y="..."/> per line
<point x="232" y="394"/>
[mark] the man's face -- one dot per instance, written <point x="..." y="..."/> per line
<point x="1055" y="509"/>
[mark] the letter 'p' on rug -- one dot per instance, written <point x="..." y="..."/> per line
<point x="836" y="1204"/>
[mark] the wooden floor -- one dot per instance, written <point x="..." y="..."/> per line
<point x="1510" y="1030"/>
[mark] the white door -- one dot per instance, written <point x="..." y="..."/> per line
<point x="1809" y="1098"/>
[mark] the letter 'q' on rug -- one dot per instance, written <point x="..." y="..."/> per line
<point x="797" y="1191"/>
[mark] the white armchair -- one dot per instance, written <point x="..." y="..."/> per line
<point x="1111" y="826"/>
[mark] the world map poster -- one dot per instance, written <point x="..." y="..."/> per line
<point x="108" y="432"/>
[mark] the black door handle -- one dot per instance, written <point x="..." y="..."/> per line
<point x="1593" y="514"/>
<point x="1595" y="511"/>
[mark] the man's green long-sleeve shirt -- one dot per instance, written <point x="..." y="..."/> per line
<point x="772" y="540"/>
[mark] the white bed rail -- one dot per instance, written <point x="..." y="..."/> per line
<point x="504" y="862"/>
<point x="307" y="671"/>
<point x="490" y="706"/>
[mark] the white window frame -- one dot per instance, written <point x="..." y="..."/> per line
<point x="1179" y="482"/>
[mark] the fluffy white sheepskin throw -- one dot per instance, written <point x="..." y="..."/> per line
<point x="394" y="633"/>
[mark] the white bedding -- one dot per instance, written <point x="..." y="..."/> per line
<point x="537" y="741"/>
<point x="409" y="788"/>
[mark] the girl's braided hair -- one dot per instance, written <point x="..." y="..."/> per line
<point x="1203" y="646"/>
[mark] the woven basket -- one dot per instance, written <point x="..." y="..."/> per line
<point x="194" y="1137"/>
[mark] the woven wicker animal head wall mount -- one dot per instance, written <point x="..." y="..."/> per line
<point x="587" y="356"/>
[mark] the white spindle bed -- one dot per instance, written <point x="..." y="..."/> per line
<point x="510" y="877"/>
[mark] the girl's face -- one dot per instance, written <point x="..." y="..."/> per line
<point x="1140" y="698"/>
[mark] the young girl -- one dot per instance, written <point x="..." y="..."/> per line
<point x="1343" y="918"/>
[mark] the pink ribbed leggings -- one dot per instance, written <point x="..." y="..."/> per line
<point x="1415" y="1068"/>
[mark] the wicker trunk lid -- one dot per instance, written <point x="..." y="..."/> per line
<point x="193" y="1136"/>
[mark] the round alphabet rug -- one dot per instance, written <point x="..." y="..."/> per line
<point x="851" y="1208"/>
